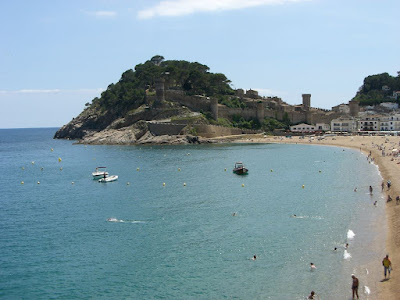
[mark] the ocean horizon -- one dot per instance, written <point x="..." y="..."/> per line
<point x="178" y="224"/>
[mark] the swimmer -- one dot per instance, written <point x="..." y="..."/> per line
<point x="355" y="189"/>
<point x="254" y="257"/>
<point x="347" y="245"/>
<point x="294" y="216"/>
<point x="335" y="249"/>
<point x="375" y="203"/>
<point x="234" y="214"/>
<point x="311" y="295"/>
<point x="312" y="267"/>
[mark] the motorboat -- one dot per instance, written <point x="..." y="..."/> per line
<point x="99" y="172"/>
<point x="108" y="178"/>
<point x="240" y="169"/>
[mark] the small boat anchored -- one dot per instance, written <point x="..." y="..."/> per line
<point x="240" y="169"/>
<point x="108" y="178"/>
<point x="100" y="172"/>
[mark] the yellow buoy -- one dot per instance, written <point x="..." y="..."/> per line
<point x="319" y="171"/>
<point x="23" y="168"/>
<point x="61" y="169"/>
<point x="33" y="162"/>
<point x="137" y="169"/>
<point x="128" y="183"/>
<point x="41" y="168"/>
<point x="272" y="170"/>
<point x="59" y="159"/>
<point x="225" y="169"/>
<point x="163" y="184"/>
<point x="22" y="182"/>
<point x="302" y="186"/>
<point x="38" y="182"/>
<point x="184" y="184"/>
<point x="72" y="182"/>
<point x="242" y="184"/>
<point x="179" y="169"/>
<point x="52" y="149"/>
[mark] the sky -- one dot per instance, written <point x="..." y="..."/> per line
<point x="56" y="56"/>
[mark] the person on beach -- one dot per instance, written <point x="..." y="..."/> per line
<point x="312" y="294"/>
<point x="397" y="199"/>
<point x="389" y="198"/>
<point x="389" y="184"/>
<point x="354" y="286"/>
<point x="387" y="265"/>
<point x="371" y="190"/>
<point x="383" y="185"/>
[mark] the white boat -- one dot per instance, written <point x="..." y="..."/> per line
<point x="108" y="178"/>
<point x="100" y="172"/>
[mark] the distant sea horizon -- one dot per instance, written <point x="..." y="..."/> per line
<point x="178" y="224"/>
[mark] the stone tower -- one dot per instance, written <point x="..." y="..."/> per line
<point x="354" y="108"/>
<point x="306" y="101"/>
<point x="260" y="112"/>
<point x="214" y="108"/>
<point x="160" y="91"/>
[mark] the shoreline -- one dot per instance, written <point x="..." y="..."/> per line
<point x="389" y="169"/>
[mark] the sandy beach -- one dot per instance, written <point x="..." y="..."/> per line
<point x="380" y="149"/>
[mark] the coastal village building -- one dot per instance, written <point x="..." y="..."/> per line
<point x="302" y="128"/>
<point x="380" y="123"/>
<point x="344" y="124"/>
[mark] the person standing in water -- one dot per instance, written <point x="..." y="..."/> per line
<point x="354" y="286"/>
<point x="371" y="190"/>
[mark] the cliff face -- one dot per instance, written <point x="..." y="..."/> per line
<point x="93" y="126"/>
<point x="90" y="120"/>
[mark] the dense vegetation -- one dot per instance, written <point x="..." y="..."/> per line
<point x="130" y="91"/>
<point x="372" y="91"/>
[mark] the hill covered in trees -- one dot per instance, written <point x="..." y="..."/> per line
<point x="191" y="77"/>
<point x="378" y="88"/>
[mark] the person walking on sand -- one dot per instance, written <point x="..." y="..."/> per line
<point x="354" y="286"/>
<point x="371" y="190"/>
<point x="387" y="265"/>
<point x="383" y="185"/>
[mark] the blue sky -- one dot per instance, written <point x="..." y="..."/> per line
<point x="57" y="55"/>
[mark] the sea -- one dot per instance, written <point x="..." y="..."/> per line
<point x="178" y="224"/>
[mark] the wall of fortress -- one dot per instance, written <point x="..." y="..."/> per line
<point x="195" y="103"/>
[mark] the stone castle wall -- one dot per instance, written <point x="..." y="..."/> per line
<point x="195" y="103"/>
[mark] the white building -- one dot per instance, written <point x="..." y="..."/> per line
<point x="344" y="124"/>
<point x="322" y="127"/>
<point x="302" y="128"/>
<point x="390" y="105"/>
<point x="370" y="123"/>
<point x="380" y="123"/>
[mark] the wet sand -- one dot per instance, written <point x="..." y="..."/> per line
<point x="389" y="167"/>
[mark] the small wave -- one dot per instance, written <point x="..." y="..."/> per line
<point x="367" y="290"/>
<point x="346" y="255"/>
<point x="350" y="234"/>
<point x="123" y="221"/>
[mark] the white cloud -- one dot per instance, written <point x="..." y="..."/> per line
<point x="269" y="92"/>
<point x="103" y="14"/>
<point x="185" y="7"/>
<point x="50" y="91"/>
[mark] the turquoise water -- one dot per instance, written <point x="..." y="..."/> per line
<point x="180" y="240"/>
